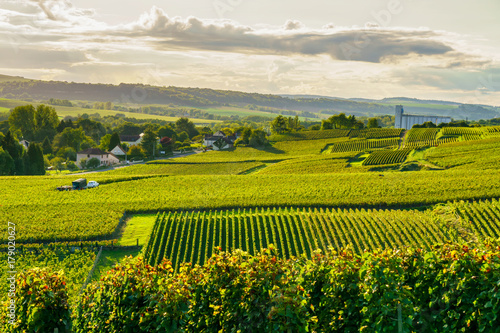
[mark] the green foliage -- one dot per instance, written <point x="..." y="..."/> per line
<point x="136" y="152"/>
<point x="46" y="122"/>
<point x="41" y="303"/>
<point x="46" y="146"/>
<point x="361" y="145"/>
<point x="72" y="137"/>
<point x="6" y="163"/>
<point x="114" y="141"/>
<point x="220" y="143"/>
<point x="186" y="125"/>
<point x="279" y="125"/>
<point x="93" y="163"/>
<point x="447" y="288"/>
<point x="35" y="164"/>
<point x="149" y="142"/>
<point x="22" y="121"/>
<point x="373" y="123"/>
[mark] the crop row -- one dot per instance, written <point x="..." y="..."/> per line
<point x="191" y="236"/>
<point x="430" y="143"/>
<point x="387" y="157"/>
<point x="362" y="145"/>
<point x="482" y="217"/>
<point x="376" y="133"/>
<point x="421" y="134"/>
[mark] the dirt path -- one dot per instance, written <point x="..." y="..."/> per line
<point x="402" y="139"/>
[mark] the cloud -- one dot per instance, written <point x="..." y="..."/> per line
<point x="369" y="44"/>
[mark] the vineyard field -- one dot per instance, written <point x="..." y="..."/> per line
<point x="192" y="236"/>
<point x="387" y="157"/>
<point x="376" y="133"/>
<point x="75" y="264"/>
<point x="362" y="145"/>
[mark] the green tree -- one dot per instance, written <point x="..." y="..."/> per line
<point x="22" y="121"/>
<point x="71" y="137"/>
<point x="46" y="122"/>
<point x="35" y="165"/>
<point x="93" y="163"/>
<point x="279" y="125"/>
<point x="136" y="153"/>
<point x="83" y="163"/>
<point x="16" y="151"/>
<point x="186" y="125"/>
<point x="46" y="146"/>
<point x="92" y="128"/>
<point x="105" y="140"/>
<point x="166" y="130"/>
<point x="6" y="163"/>
<point x="373" y="123"/>
<point x="149" y="142"/>
<point x="258" y="138"/>
<point x="114" y="141"/>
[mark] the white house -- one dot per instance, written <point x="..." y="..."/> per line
<point x="210" y="139"/>
<point x="104" y="157"/>
<point x="131" y="140"/>
<point x="118" y="151"/>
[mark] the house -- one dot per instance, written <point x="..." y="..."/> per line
<point x="25" y="143"/>
<point x="210" y="139"/>
<point x="104" y="157"/>
<point x="118" y="151"/>
<point x="131" y="140"/>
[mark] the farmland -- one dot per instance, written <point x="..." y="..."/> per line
<point x="295" y="196"/>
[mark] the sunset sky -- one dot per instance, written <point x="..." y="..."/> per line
<point x="441" y="49"/>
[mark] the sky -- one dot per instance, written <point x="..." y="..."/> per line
<point x="440" y="49"/>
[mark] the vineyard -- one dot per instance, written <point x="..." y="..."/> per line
<point x="375" y="133"/>
<point x="362" y="145"/>
<point x="192" y="236"/>
<point x="75" y="264"/>
<point x="387" y="157"/>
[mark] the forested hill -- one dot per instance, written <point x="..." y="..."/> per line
<point x="196" y="97"/>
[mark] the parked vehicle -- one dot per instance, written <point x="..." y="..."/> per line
<point x="92" y="184"/>
<point x="64" y="188"/>
<point x="79" y="184"/>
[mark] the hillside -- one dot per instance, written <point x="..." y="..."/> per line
<point x="309" y="106"/>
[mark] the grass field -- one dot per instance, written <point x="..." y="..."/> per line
<point x="63" y="111"/>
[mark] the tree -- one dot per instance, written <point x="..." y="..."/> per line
<point x="46" y="146"/>
<point x="83" y="163"/>
<point x="105" y="140"/>
<point x="279" y="125"/>
<point x="46" y="122"/>
<point x="6" y="163"/>
<point x="166" y="130"/>
<point x="93" y="163"/>
<point x="373" y="123"/>
<point x="114" y="141"/>
<point x="58" y="163"/>
<point x="35" y="165"/>
<point x="22" y="121"/>
<point x="183" y="136"/>
<point x="16" y="151"/>
<point x="92" y="128"/>
<point x="136" y="153"/>
<point x="258" y="138"/>
<point x="149" y="142"/>
<point x="71" y="137"/>
<point x="186" y="125"/>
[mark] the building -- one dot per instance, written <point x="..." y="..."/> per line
<point x="407" y="121"/>
<point x="118" y="151"/>
<point x="210" y="139"/>
<point x="104" y="157"/>
<point x="131" y="140"/>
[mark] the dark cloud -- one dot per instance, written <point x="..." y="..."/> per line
<point x="364" y="44"/>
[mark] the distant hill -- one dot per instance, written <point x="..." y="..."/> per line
<point x="309" y="105"/>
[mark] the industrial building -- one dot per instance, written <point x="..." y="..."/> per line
<point x="407" y="121"/>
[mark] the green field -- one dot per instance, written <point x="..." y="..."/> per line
<point x="300" y="197"/>
<point x="63" y="111"/>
